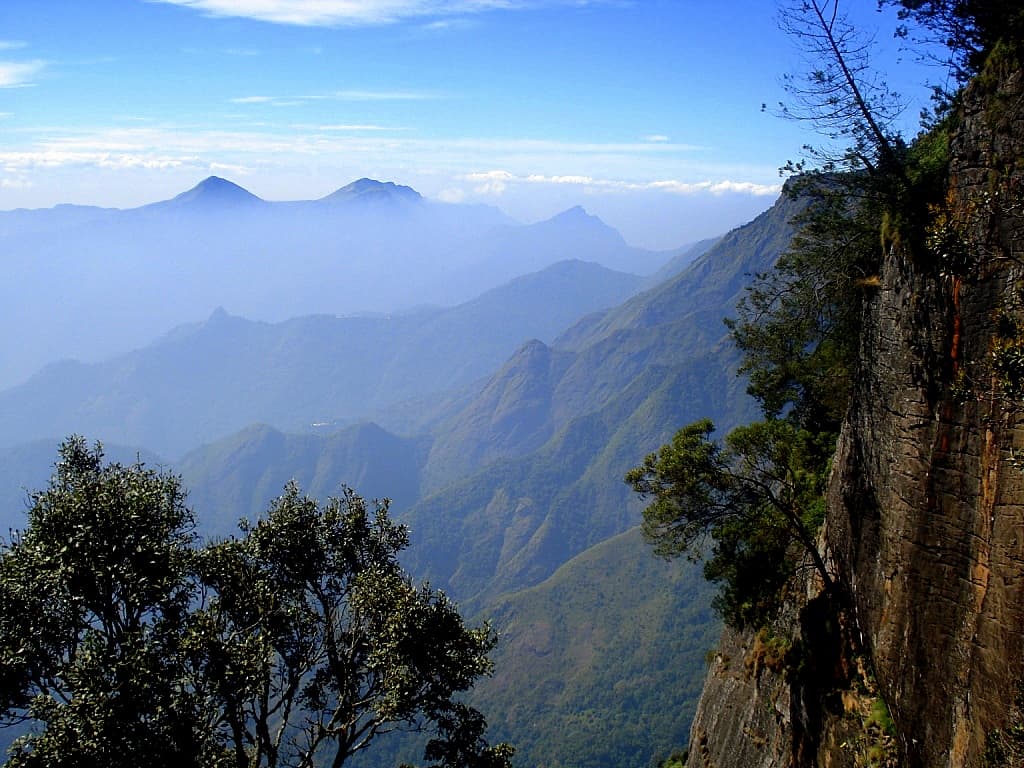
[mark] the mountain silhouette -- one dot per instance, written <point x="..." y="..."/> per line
<point x="373" y="191"/>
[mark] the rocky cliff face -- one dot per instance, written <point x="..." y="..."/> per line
<point x="926" y="505"/>
<point x="927" y="518"/>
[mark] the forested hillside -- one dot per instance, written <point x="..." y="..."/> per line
<point x="521" y="500"/>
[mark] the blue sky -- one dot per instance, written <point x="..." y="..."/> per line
<point x="646" y="112"/>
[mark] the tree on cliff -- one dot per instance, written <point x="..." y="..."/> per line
<point x="967" y="29"/>
<point x="753" y="503"/>
<point x="840" y="93"/>
<point x="750" y="508"/>
<point x="122" y="643"/>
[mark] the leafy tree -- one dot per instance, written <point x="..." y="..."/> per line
<point x="334" y="643"/>
<point x="122" y="643"/>
<point x="750" y="507"/>
<point x="969" y="29"/>
<point x="94" y="597"/>
<point x="758" y="497"/>
<point x="798" y="324"/>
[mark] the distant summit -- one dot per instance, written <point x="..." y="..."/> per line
<point x="373" y="191"/>
<point x="579" y="224"/>
<point x="576" y="213"/>
<point x="577" y="216"/>
<point x="215" y="192"/>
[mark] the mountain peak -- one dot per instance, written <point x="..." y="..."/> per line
<point x="577" y="216"/>
<point x="373" y="191"/>
<point x="577" y="220"/>
<point x="218" y="315"/>
<point x="576" y="212"/>
<point x="215" y="191"/>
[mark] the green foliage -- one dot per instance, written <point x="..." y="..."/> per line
<point x="677" y="759"/>
<point x="879" y="747"/>
<point x="94" y="598"/>
<point x="752" y="506"/>
<point x="880" y="718"/>
<point x="756" y="499"/>
<point x="771" y="651"/>
<point x="124" y="644"/>
<point x="337" y="645"/>
<point x="581" y="675"/>
<point x="970" y="29"/>
<point x="798" y="324"/>
<point x="759" y="497"/>
<point x="1008" y="357"/>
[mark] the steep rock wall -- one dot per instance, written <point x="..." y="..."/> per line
<point x="925" y="527"/>
<point x="927" y="502"/>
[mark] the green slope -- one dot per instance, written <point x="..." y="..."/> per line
<point x="604" y="645"/>
<point x="562" y="425"/>
<point x="238" y="476"/>
<point x="601" y="664"/>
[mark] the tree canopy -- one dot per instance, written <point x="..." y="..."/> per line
<point x="968" y="29"/>
<point x="123" y="642"/>
<point x="741" y="506"/>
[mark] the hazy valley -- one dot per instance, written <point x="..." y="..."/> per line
<point x="500" y="427"/>
<point x="389" y="477"/>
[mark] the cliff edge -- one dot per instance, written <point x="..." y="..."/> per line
<point x="923" y="665"/>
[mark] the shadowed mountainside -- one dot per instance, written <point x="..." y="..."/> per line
<point x="206" y="380"/>
<point x="88" y="283"/>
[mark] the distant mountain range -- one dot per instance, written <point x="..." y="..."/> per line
<point x="206" y="380"/>
<point x="86" y="283"/>
<point x="522" y="507"/>
<point x="511" y="483"/>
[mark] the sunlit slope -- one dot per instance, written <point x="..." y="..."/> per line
<point x="562" y="425"/>
<point x="602" y="663"/>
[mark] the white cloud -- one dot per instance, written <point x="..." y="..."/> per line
<point x="11" y="162"/>
<point x="489" y="176"/>
<point x="452" y="195"/>
<point x="14" y="74"/>
<point x="717" y="187"/>
<point x="347" y="95"/>
<point x="240" y="170"/>
<point x="656" y="138"/>
<point x="12" y="45"/>
<point x="342" y="12"/>
<point x="574" y="180"/>
<point x="495" y="182"/>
